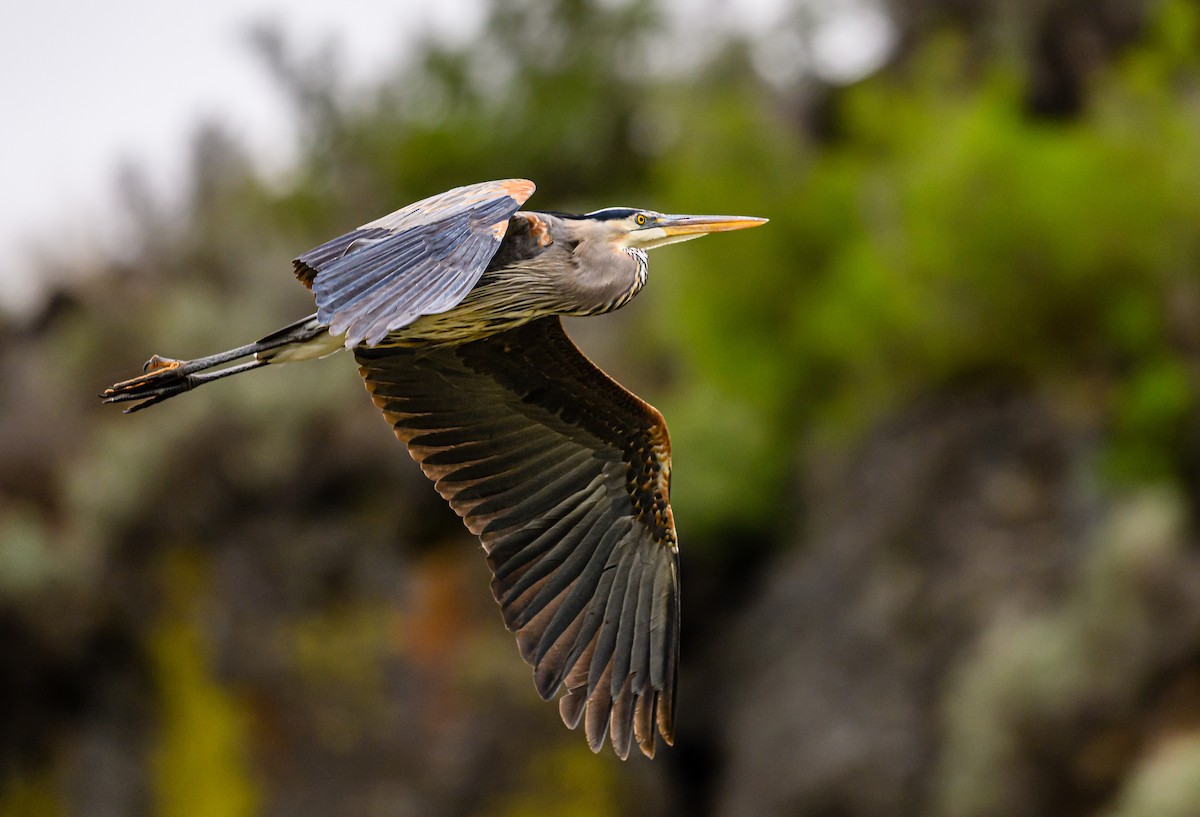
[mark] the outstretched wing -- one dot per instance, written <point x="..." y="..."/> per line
<point x="563" y="474"/>
<point x="420" y="260"/>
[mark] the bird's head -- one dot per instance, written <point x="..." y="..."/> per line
<point x="629" y="228"/>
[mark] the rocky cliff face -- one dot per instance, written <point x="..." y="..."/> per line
<point x="969" y="625"/>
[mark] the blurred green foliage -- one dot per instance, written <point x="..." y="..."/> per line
<point x="945" y="237"/>
<point x="1169" y="786"/>
<point x="35" y="795"/>
<point x="203" y="749"/>
<point x="564" y="781"/>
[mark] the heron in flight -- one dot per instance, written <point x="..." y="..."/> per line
<point x="451" y="307"/>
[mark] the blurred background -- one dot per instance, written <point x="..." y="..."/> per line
<point x="936" y="429"/>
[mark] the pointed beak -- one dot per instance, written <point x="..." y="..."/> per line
<point x="702" y="225"/>
<point x="662" y="230"/>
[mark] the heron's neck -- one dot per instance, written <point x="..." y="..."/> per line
<point x="641" y="270"/>
<point x="643" y="267"/>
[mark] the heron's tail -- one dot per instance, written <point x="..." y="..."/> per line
<point x="165" y="377"/>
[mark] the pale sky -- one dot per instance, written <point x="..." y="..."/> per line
<point x="86" y="85"/>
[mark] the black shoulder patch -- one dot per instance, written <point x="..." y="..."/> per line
<point x="526" y="237"/>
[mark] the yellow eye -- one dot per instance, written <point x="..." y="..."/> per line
<point x="641" y="219"/>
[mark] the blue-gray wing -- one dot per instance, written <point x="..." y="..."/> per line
<point x="420" y="260"/>
<point x="563" y="475"/>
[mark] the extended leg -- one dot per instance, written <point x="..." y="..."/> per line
<point x="164" y="377"/>
<point x="158" y="384"/>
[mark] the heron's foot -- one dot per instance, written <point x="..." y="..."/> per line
<point x="158" y="362"/>
<point x="165" y="377"/>
<point x="162" y="377"/>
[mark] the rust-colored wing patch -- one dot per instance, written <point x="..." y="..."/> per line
<point x="564" y="475"/>
<point x="538" y="230"/>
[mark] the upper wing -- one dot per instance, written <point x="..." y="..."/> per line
<point x="420" y="260"/>
<point x="564" y="476"/>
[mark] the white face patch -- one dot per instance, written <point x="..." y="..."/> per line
<point x="649" y="238"/>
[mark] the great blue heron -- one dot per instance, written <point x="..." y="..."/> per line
<point x="451" y="307"/>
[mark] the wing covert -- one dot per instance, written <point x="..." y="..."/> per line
<point x="564" y="476"/>
<point x="420" y="260"/>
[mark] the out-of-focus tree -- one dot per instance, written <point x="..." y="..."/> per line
<point x="1061" y="45"/>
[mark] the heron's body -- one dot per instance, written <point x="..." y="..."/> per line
<point x="451" y="307"/>
<point x="527" y="280"/>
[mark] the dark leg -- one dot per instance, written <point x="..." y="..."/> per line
<point x="165" y="377"/>
<point x="167" y="381"/>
